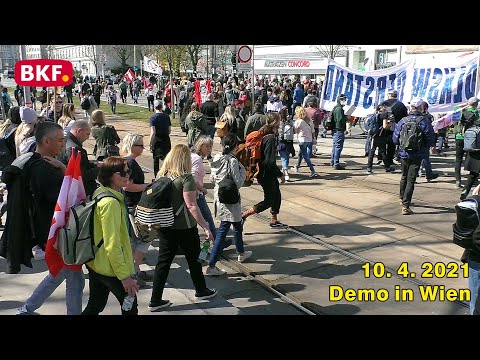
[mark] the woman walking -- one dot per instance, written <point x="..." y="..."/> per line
<point x="226" y="165"/>
<point x="184" y="233"/>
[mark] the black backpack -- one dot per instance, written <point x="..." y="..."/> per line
<point x="411" y="135"/>
<point x="85" y="104"/>
<point x="227" y="189"/>
<point x="6" y="157"/>
<point x="465" y="228"/>
<point x="155" y="211"/>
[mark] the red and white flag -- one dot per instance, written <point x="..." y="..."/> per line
<point x="202" y="89"/>
<point x="71" y="193"/>
<point x="129" y="75"/>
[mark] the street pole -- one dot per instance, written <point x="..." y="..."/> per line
<point x="134" y="59"/>
<point x="26" y="89"/>
<point x="207" y="63"/>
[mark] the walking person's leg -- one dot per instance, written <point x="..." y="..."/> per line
<point x="75" y="283"/>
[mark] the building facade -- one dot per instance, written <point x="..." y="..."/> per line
<point x="9" y="55"/>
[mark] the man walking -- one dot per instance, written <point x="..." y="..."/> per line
<point x="414" y="135"/>
<point x="339" y="126"/>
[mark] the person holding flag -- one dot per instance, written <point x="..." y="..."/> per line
<point x="50" y="139"/>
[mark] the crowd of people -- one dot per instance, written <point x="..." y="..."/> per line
<point x="276" y="112"/>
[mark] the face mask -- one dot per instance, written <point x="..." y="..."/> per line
<point x="343" y="102"/>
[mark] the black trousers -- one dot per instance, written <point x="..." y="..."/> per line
<point x="100" y="287"/>
<point x="381" y="144"/>
<point x="150" y="100"/>
<point x="170" y="239"/>
<point x="272" y="197"/>
<point x="459" y="152"/>
<point x="470" y="180"/>
<point x="407" y="182"/>
<point x="390" y="147"/>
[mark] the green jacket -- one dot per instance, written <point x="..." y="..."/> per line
<point x="470" y="116"/>
<point x="196" y="126"/>
<point x="114" y="258"/>
<point x="339" y="117"/>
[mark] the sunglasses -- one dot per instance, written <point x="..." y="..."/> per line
<point x="123" y="173"/>
<point x="141" y="145"/>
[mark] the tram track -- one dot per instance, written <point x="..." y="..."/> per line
<point x="299" y="303"/>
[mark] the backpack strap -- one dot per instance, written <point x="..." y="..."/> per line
<point x="97" y="199"/>
<point x="182" y="207"/>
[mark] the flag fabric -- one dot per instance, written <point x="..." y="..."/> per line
<point x="447" y="120"/>
<point x="71" y="193"/>
<point x="129" y="75"/>
<point x="202" y="89"/>
<point x="152" y="66"/>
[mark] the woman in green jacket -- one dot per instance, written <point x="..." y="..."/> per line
<point x="112" y="270"/>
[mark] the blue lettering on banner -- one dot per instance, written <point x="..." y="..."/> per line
<point x="349" y="88"/>
<point x="339" y="80"/>
<point x="359" y="79"/>
<point x="470" y="81"/>
<point x="329" y="86"/>
<point x="401" y="81"/>
<point x="382" y="85"/>
<point x="420" y="82"/>
<point x="367" y="99"/>
<point x="458" y="96"/>
<point x="446" y="94"/>
<point x="433" y="92"/>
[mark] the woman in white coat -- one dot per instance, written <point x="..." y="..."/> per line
<point x="225" y="164"/>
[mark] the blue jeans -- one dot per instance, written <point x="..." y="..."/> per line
<point x="426" y="166"/>
<point x="305" y="151"/>
<point x="74" y="286"/>
<point x="473" y="284"/>
<point x="219" y="244"/>
<point x="285" y="156"/>
<point x="211" y="130"/>
<point x="337" y="147"/>
<point x="206" y="213"/>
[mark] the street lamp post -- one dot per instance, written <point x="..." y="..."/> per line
<point x="26" y="89"/>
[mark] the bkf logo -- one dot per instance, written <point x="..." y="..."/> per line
<point x="43" y="72"/>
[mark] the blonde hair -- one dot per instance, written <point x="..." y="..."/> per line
<point x="23" y="131"/>
<point x="178" y="162"/>
<point x="227" y="115"/>
<point x="127" y="143"/>
<point x="229" y="109"/>
<point x="98" y="117"/>
<point x="202" y="140"/>
<point x="66" y="117"/>
<point x="300" y="113"/>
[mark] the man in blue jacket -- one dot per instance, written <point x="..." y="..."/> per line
<point x="411" y="155"/>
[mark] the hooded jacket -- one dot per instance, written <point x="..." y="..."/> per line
<point x="114" y="258"/>
<point x="255" y="122"/>
<point x="339" y="117"/>
<point x="195" y="125"/>
<point x="222" y="165"/>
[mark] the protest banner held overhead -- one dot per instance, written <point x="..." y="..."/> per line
<point x="442" y="86"/>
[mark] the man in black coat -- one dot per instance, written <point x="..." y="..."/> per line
<point x="33" y="182"/>
<point x="210" y="113"/>
<point x="78" y="134"/>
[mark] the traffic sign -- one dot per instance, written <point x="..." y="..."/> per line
<point x="244" y="54"/>
<point x="135" y="68"/>
<point x="246" y="67"/>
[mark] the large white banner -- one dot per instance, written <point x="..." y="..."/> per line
<point x="151" y="65"/>
<point x="442" y="87"/>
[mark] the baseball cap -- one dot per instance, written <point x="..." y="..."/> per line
<point x="393" y="92"/>
<point x="472" y="100"/>
<point x="157" y="103"/>
<point x="342" y="97"/>
<point x="27" y="115"/>
<point x="416" y="102"/>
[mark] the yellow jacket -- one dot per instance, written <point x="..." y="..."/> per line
<point x="114" y="258"/>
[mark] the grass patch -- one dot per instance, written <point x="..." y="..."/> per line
<point x="129" y="112"/>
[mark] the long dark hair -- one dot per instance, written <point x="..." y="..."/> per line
<point x="229" y="142"/>
<point x="273" y="121"/>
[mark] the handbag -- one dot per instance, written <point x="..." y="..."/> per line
<point x="227" y="189"/>
<point x="222" y="128"/>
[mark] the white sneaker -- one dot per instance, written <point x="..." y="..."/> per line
<point x="38" y="253"/>
<point x="287" y="177"/>
<point x="215" y="271"/>
<point x="22" y="311"/>
<point x="294" y="169"/>
<point x="245" y="256"/>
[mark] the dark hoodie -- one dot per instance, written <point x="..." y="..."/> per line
<point x="339" y="117"/>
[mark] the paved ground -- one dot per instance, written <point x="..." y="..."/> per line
<point x="337" y="223"/>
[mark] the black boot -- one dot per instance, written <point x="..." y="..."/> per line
<point x="464" y="194"/>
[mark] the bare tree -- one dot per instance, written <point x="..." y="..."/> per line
<point x="121" y="53"/>
<point x="94" y="54"/>
<point x="223" y="53"/>
<point x="331" y="51"/>
<point x="194" y="53"/>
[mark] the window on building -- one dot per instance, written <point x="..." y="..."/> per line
<point x="359" y="59"/>
<point x="385" y="58"/>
